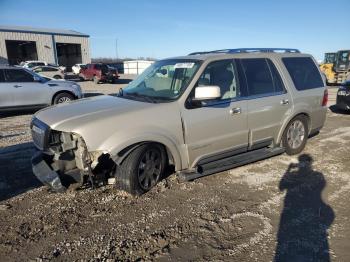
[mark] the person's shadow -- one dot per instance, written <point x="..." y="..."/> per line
<point x="302" y="234"/>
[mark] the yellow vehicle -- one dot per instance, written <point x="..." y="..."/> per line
<point x="327" y="67"/>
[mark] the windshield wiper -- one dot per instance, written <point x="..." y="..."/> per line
<point x="138" y="95"/>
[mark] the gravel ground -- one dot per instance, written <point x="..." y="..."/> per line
<point x="258" y="212"/>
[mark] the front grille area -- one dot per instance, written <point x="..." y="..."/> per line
<point x="40" y="132"/>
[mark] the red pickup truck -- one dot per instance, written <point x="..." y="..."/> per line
<point x="99" y="73"/>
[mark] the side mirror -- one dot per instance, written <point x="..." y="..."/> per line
<point x="206" y="93"/>
<point x="37" y="79"/>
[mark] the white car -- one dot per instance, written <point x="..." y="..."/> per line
<point x="49" y="71"/>
<point x="21" y="88"/>
<point x="76" y="68"/>
<point x="32" y="63"/>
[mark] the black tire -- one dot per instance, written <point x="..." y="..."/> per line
<point x="62" y="98"/>
<point x="134" y="172"/>
<point x="57" y="77"/>
<point x="96" y="80"/>
<point x="290" y="136"/>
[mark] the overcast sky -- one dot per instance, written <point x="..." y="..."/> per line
<point x="164" y="28"/>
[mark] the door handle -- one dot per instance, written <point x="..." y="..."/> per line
<point x="16" y="86"/>
<point x="235" y="111"/>
<point x="284" y="102"/>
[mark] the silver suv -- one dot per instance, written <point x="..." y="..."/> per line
<point x="21" y="88"/>
<point x="202" y="113"/>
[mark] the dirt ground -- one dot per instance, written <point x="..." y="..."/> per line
<point x="283" y="208"/>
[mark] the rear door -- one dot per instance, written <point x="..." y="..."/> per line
<point x="26" y="92"/>
<point x="216" y="127"/>
<point x="6" y="91"/>
<point x="269" y="103"/>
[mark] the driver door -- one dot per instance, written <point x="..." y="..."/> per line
<point x="26" y="91"/>
<point x="220" y="126"/>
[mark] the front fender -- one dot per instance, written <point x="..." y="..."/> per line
<point x="136" y="139"/>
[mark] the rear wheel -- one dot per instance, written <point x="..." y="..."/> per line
<point x="142" y="169"/>
<point x="57" y="77"/>
<point x="63" y="98"/>
<point x="295" y="135"/>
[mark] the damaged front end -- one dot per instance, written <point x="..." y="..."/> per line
<point x="64" y="162"/>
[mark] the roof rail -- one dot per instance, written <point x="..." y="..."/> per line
<point x="249" y="50"/>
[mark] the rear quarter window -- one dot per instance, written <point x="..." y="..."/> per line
<point x="303" y="72"/>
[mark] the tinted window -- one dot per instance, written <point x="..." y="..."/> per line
<point x="18" y="75"/>
<point x="303" y="72"/>
<point x="2" y="77"/>
<point x="259" y="78"/>
<point x="277" y="80"/>
<point x="222" y="74"/>
<point x="50" y="69"/>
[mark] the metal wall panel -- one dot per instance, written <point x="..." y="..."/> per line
<point x="44" y="45"/>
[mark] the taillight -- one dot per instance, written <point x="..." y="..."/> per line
<point x="325" y="98"/>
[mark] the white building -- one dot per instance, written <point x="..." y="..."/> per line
<point x="136" y="67"/>
<point x="56" y="46"/>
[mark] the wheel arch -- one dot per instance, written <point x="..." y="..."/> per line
<point x="61" y="92"/>
<point x="285" y="124"/>
<point x="173" y="156"/>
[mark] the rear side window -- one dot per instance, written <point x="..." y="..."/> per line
<point x="262" y="76"/>
<point x="18" y="75"/>
<point x="2" y="77"/>
<point x="303" y="72"/>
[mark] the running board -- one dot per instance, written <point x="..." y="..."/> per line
<point x="230" y="162"/>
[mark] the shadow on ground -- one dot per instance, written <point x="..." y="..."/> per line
<point x="305" y="219"/>
<point x="16" y="175"/>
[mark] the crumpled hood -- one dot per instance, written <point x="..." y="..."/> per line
<point x="69" y="116"/>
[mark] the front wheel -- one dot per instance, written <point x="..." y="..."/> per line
<point x="142" y="169"/>
<point x="295" y="135"/>
<point x="62" y="98"/>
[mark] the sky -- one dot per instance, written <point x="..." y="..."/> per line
<point x="164" y="28"/>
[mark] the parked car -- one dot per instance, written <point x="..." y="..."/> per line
<point x="343" y="96"/>
<point x="77" y="67"/>
<point x="22" y="88"/>
<point x="32" y="63"/>
<point x="49" y="71"/>
<point x="99" y="73"/>
<point x="202" y="113"/>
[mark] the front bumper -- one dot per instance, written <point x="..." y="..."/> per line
<point x="57" y="181"/>
<point x="45" y="174"/>
<point x="343" y="102"/>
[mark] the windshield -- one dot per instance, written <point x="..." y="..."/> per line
<point x="163" y="80"/>
<point x="329" y="58"/>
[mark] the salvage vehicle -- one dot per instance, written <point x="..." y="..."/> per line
<point x="49" y="71"/>
<point x="202" y="114"/>
<point x="22" y="89"/>
<point x="343" y="96"/>
<point x="98" y="73"/>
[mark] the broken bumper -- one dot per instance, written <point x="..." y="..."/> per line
<point x="45" y="174"/>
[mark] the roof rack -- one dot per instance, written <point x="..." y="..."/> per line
<point x="249" y="50"/>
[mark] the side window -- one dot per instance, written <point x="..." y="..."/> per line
<point x="303" y="72"/>
<point x="39" y="69"/>
<point x="277" y="80"/>
<point x="259" y="78"/>
<point x="50" y="69"/>
<point x="222" y="74"/>
<point x="18" y="75"/>
<point x="2" y="76"/>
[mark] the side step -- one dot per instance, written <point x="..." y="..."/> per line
<point x="231" y="162"/>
